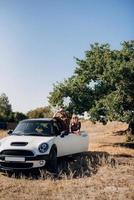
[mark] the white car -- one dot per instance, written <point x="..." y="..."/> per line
<point x="38" y="142"/>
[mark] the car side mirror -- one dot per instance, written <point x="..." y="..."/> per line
<point x="9" y="132"/>
<point x="63" y="133"/>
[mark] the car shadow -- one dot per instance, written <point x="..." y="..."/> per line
<point x="84" y="164"/>
<point x="77" y="166"/>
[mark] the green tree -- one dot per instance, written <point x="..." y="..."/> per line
<point x="18" y="116"/>
<point x="5" y="108"/>
<point x="79" y="93"/>
<point x="40" y="113"/>
<point x="102" y="84"/>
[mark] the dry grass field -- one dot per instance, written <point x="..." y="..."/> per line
<point x="106" y="172"/>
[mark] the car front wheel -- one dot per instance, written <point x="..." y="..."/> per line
<point x="52" y="161"/>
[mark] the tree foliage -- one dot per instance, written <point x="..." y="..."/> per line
<point x="5" y="108"/>
<point x="76" y="90"/>
<point x="40" y="113"/>
<point x="102" y="83"/>
<point x="18" y="116"/>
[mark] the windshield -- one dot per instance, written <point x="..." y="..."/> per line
<point x="35" y="128"/>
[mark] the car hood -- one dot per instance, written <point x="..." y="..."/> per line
<point x="32" y="142"/>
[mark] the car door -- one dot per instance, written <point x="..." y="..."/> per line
<point x="72" y="143"/>
<point x="81" y="142"/>
<point x="65" y="145"/>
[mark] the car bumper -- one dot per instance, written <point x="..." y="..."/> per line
<point x="22" y="163"/>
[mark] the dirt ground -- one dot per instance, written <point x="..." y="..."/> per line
<point x="106" y="172"/>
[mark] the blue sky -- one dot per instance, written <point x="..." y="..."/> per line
<point x="40" y="38"/>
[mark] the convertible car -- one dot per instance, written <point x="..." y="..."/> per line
<point x="38" y="142"/>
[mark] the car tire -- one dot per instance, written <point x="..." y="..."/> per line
<point x="52" y="161"/>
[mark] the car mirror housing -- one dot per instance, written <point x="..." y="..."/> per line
<point x="9" y="132"/>
<point x="63" y="133"/>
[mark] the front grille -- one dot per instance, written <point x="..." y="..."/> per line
<point x="14" y="165"/>
<point x="19" y="143"/>
<point x="17" y="153"/>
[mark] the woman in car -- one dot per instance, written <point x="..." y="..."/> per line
<point x="75" y="125"/>
<point x="63" y="119"/>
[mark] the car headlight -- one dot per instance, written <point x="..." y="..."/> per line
<point x="43" y="147"/>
